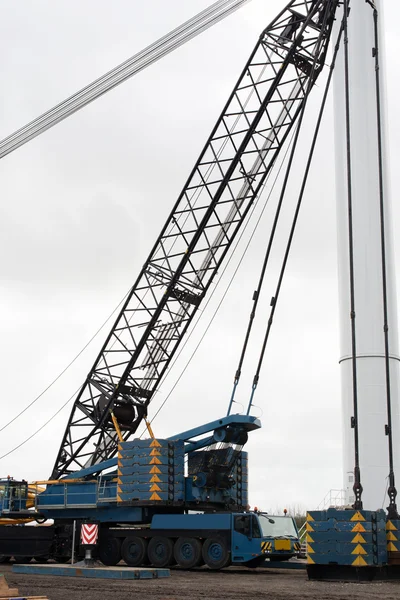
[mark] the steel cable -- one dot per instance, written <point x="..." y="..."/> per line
<point x="161" y="47"/>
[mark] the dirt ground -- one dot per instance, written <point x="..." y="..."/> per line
<point x="235" y="584"/>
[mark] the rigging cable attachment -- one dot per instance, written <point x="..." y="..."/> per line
<point x="274" y="299"/>
<point x="357" y="487"/>
<point x="392" y="492"/>
<point x="313" y="71"/>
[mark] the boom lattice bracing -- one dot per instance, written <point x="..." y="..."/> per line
<point x="210" y="210"/>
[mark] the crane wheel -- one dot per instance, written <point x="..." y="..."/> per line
<point x="41" y="559"/>
<point x="160" y="551"/>
<point x="59" y="558"/>
<point x="110" y="551"/>
<point x="134" y="551"/>
<point x="216" y="554"/>
<point x="187" y="552"/>
<point x="22" y="560"/>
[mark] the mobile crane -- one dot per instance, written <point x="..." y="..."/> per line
<point x="137" y="490"/>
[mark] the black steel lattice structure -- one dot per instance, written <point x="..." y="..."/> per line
<point x="208" y="214"/>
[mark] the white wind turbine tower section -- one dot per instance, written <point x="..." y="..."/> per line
<point x="372" y="398"/>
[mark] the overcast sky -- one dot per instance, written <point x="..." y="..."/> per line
<point x="82" y="205"/>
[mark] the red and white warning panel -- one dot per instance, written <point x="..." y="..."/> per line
<point x="89" y="534"/>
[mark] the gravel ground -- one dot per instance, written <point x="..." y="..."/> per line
<point x="232" y="584"/>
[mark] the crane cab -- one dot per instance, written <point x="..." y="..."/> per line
<point x="13" y="496"/>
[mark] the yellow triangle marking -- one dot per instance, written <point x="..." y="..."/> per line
<point x="309" y="538"/>
<point x="155" y="461"/>
<point x="155" y="444"/>
<point x="155" y="479"/>
<point x="155" y="452"/>
<point x="358" y="539"/>
<point x="358" y="527"/>
<point x="391" y="537"/>
<point x="391" y="547"/>
<point x="155" y="488"/>
<point x="310" y="560"/>
<point x="155" y="496"/>
<point x="309" y="517"/>
<point x="155" y="470"/>
<point x="359" y="550"/>
<point x="119" y="455"/>
<point x="390" y="526"/>
<point x="119" y="481"/>
<point x="359" y="562"/>
<point x="357" y="517"/>
<point x="310" y="550"/>
<point x="119" y="498"/>
<point x="119" y="472"/>
<point x="309" y="527"/>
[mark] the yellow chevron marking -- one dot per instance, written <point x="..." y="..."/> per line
<point x="390" y="526"/>
<point x="310" y="550"/>
<point x="391" y="547"/>
<point x="155" y="470"/>
<point x="357" y="517"/>
<point x="359" y="550"/>
<point x="155" y="444"/>
<point x="155" y="452"/>
<point x="119" y="472"/>
<point x="391" y="537"/>
<point x="309" y="527"/>
<point x="119" y="481"/>
<point x="155" y="461"/>
<point x="119" y="498"/>
<point x="155" y="479"/>
<point x="310" y="560"/>
<point x="309" y="538"/>
<point x="358" y="527"/>
<point x="155" y="488"/>
<point x="309" y="517"/>
<point x="359" y="562"/>
<point x="119" y="455"/>
<point x="155" y="496"/>
<point x="358" y="539"/>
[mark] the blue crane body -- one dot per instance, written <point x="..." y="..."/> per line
<point x="156" y="502"/>
<point x="143" y="493"/>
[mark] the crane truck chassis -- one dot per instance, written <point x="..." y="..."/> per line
<point x="190" y="540"/>
<point x="147" y="508"/>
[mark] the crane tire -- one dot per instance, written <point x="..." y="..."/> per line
<point x="187" y="552"/>
<point x="160" y="551"/>
<point x="216" y="554"/>
<point x="41" y="559"/>
<point x="134" y="551"/>
<point x="110" y="551"/>
<point x="22" y="560"/>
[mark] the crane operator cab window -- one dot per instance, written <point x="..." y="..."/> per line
<point x="247" y="525"/>
<point x="13" y="495"/>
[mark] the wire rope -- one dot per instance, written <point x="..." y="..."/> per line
<point x="65" y="368"/>
<point x="297" y="210"/>
<point x="146" y="57"/>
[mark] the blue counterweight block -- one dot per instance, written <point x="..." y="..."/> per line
<point x="151" y="470"/>
<point x="346" y="538"/>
